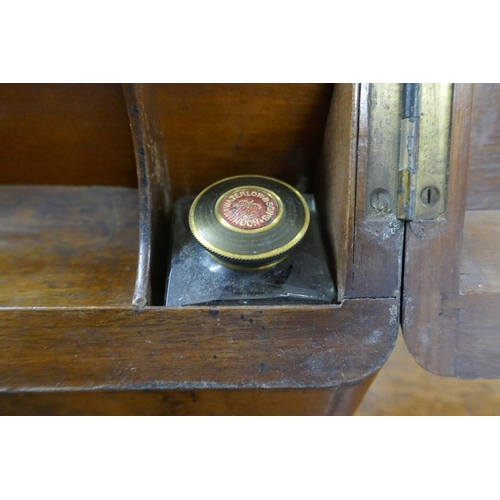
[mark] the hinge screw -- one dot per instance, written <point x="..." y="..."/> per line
<point x="429" y="196"/>
<point x="380" y="199"/>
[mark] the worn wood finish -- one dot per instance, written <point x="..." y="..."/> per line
<point x="335" y="184"/>
<point x="483" y="185"/>
<point x="212" y="131"/>
<point x="431" y="300"/>
<point x="195" y="348"/>
<point x="67" y="246"/>
<point x="254" y="402"/>
<point x="155" y="195"/>
<point x="74" y="134"/>
<point x="377" y="244"/>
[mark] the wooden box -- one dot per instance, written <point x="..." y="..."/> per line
<point x="83" y="245"/>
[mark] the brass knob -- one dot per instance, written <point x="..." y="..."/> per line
<point x="249" y="222"/>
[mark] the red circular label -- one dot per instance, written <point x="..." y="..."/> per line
<point x="248" y="208"/>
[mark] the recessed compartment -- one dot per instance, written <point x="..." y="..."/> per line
<point x="68" y="197"/>
<point x="189" y="136"/>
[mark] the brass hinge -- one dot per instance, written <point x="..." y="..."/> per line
<point x="424" y="150"/>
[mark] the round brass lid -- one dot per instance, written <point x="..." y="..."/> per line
<point x="249" y="221"/>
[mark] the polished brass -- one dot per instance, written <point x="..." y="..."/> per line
<point x="239" y="267"/>
<point x="384" y="119"/>
<point x="249" y="248"/>
<point x="434" y="139"/>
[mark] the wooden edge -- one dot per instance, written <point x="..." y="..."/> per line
<point x="431" y="301"/>
<point x="195" y="348"/>
<point x="222" y="402"/>
<point x="375" y="252"/>
<point x="154" y="195"/>
<point x="336" y="182"/>
<point x="348" y="397"/>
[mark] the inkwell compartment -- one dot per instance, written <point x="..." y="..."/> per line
<point x="198" y="135"/>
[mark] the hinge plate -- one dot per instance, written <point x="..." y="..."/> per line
<point x="408" y="150"/>
<point x="424" y="150"/>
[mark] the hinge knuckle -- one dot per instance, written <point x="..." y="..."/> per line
<point x="423" y="157"/>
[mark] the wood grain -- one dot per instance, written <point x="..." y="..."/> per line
<point x="73" y="134"/>
<point x="451" y="320"/>
<point x="480" y="258"/>
<point x="483" y="185"/>
<point x="273" y="402"/>
<point x="212" y="131"/>
<point x="155" y="195"/>
<point x="432" y="260"/>
<point x="335" y="185"/>
<point x="402" y="387"/>
<point x="253" y="402"/>
<point x="67" y="246"/>
<point x="194" y="348"/>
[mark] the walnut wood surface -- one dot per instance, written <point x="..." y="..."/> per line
<point x="483" y="188"/>
<point x="402" y="387"/>
<point x="67" y="246"/>
<point x="212" y="131"/>
<point x="336" y="180"/>
<point x="194" y="348"/>
<point x="155" y="194"/>
<point x="255" y="402"/>
<point x="184" y="403"/>
<point x="480" y="258"/>
<point x="74" y="134"/>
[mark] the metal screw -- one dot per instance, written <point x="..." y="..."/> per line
<point x="380" y="199"/>
<point x="430" y="196"/>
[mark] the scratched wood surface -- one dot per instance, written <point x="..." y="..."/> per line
<point x="67" y="246"/>
<point x="195" y="347"/>
<point x="73" y="134"/>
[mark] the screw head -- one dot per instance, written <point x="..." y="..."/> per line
<point x="380" y="199"/>
<point x="430" y="196"/>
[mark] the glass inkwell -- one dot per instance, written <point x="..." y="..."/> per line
<point x="247" y="240"/>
